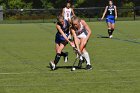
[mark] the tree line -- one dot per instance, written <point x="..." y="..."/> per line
<point x="41" y="4"/>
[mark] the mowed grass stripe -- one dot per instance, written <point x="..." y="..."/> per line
<point x="26" y="49"/>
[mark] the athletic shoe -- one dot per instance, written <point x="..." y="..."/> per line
<point x="66" y="57"/>
<point x="110" y="36"/>
<point x="52" y="65"/>
<point x="80" y="63"/>
<point x="88" y="67"/>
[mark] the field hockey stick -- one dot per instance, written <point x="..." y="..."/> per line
<point x="79" y="54"/>
<point x="76" y="51"/>
<point x="74" y="62"/>
<point x="99" y="19"/>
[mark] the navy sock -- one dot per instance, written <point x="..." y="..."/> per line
<point x="63" y="54"/>
<point x="112" y="30"/>
<point x="109" y="32"/>
<point x="57" y="58"/>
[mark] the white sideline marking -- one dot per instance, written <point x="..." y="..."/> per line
<point x="53" y="72"/>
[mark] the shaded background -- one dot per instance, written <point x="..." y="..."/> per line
<point x="22" y="11"/>
<point x="37" y="4"/>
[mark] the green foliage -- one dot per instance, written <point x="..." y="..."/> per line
<point x="128" y="13"/>
<point x="18" y="4"/>
<point x="2" y="4"/>
<point x="47" y="4"/>
<point x="130" y="4"/>
<point x="57" y="3"/>
<point x="15" y="4"/>
<point x="79" y="2"/>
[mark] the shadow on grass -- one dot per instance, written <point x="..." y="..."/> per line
<point x="100" y="36"/>
<point x="123" y="40"/>
<point x="66" y="67"/>
<point x="127" y="40"/>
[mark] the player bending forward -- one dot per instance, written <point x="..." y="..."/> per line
<point x="81" y="33"/>
<point x="61" y="40"/>
<point x="111" y="15"/>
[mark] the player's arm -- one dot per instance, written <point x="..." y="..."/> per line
<point x="63" y="34"/>
<point x="73" y="14"/>
<point x="104" y="13"/>
<point x="63" y="12"/>
<point x="76" y="41"/>
<point x="87" y="28"/>
<point x="115" y="12"/>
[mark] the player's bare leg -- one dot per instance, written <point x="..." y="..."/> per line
<point x="58" y="48"/>
<point x="84" y="54"/>
<point x="112" y="29"/>
<point x="109" y="29"/>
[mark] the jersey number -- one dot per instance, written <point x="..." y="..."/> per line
<point x="110" y="12"/>
<point x="67" y="14"/>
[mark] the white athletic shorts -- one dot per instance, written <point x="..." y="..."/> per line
<point x="66" y="18"/>
<point x="82" y="35"/>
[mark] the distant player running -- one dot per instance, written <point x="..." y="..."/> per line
<point x="111" y="15"/>
<point x="81" y="33"/>
<point x="61" y="40"/>
<point x="68" y="12"/>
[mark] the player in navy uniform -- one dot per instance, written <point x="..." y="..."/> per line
<point x="111" y="15"/>
<point x="61" y="40"/>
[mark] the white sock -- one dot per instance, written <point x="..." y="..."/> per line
<point x="81" y="57"/>
<point x="70" y="37"/>
<point x="86" y="56"/>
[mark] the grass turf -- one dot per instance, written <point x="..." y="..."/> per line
<point x="26" y="49"/>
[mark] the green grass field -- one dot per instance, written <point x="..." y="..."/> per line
<point x="26" y="49"/>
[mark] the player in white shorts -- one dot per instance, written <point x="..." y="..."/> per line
<point x="81" y="33"/>
<point x="68" y="12"/>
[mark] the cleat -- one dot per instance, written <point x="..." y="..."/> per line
<point x="88" y="67"/>
<point x="80" y="63"/>
<point x="66" y="57"/>
<point x="110" y="36"/>
<point x="52" y="65"/>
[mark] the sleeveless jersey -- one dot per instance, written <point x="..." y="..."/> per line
<point x="65" y="27"/>
<point x="111" y="10"/>
<point x="67" y="13"/>
<point x="81" y="30"/>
